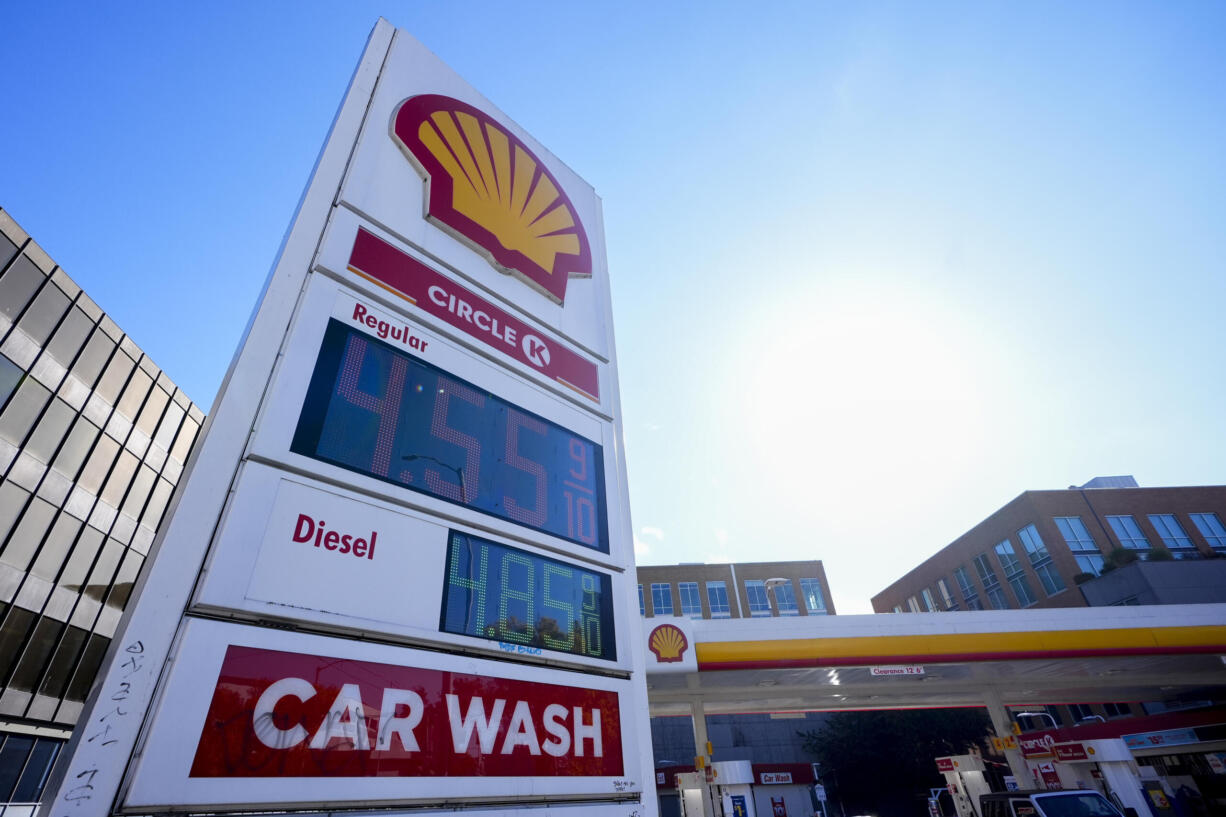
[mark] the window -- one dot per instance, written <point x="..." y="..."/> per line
<point x="1127" y="531"/>
<point x="25" y="763"/>
<point x="1014" y="575"/>
<point x="815" y="602"/>
<point x="929" y="604"/>
<point x="10" y="377"/>
<point x="642" y="603"/>
<point x="1089" y="557"/>
<point x="1040" y="560"/>
<point x="946" y="596"/>
<point x="785" y="600"/>
<point x="662" y="599"/>
<point x="1174" y="536"/>
<point x="897" y="608"/>
<point x="1080" y="712"/>
<point x="1117" y="710"/>
<point x="912" y="604"/>
<point x="1211" y="528"/>
<point x="717" y="600"/>
<point x="759" y="604"/>
<point x="691" y="604"/>
<point x="963" y="577"/>
<point x="991" y="584"/>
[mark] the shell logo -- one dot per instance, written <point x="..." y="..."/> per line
<point x="487" y="188"/>
<point x="668" y="643"/>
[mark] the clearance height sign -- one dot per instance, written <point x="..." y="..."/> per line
<point x="400" y="570"/>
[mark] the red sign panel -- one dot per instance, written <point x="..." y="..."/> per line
<point x="279" y="714"/>
<point x="945" y="764"/>
<point x="403" y="275"/>
<point x="1070" y="751"/>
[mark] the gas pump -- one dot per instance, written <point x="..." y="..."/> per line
<point x="965" y="782"/>
<point x="695" y="795"/>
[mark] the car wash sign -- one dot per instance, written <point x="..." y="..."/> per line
<point x="399" y="573"/>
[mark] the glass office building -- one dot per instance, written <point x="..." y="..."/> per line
<point x="93" y="439"/>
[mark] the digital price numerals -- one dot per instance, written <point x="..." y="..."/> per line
<point x="376" y="410"/>
<point x="506" y="594"/>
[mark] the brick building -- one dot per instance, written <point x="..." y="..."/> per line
<point x="1033" y="551"/>
<point x="742" y="590"/>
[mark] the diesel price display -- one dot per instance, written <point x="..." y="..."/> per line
<point x="379" y="411"/>
<point x="510" y="595"/>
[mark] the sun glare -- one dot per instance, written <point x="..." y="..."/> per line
<point x="862" y="390"/>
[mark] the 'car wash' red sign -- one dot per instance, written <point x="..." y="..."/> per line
<point x="279" y="714"/>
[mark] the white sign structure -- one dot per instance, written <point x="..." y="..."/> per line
<point x="399" y="571"/>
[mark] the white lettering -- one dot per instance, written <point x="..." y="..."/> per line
<point x="262" y="717"/>
<point x="555" y="714"/>
<point x="587" y="732"/>
<point x="437" y="296"/>
<point x="403" y="725"/>
<point x="521" y="731"/>
<point x="345" y="720"/>
<point x="462" y="728"/>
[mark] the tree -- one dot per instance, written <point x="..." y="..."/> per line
<point x="1118" y="557"/>
<point x="882" y="763"/>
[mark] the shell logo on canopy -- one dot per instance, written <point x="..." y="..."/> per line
<point x="668" y="643"/>
<point x="488" y="188"/>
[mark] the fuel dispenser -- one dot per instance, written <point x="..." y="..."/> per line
<point x="965" y="780"/>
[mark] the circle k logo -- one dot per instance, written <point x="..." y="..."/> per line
<point x="535" y="350"/>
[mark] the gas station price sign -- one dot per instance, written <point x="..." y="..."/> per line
<point x="510" y="595"/>
<point x="379" y="411"/>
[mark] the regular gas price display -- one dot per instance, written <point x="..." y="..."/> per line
<point x="376" y="410"/>
<point x="512" y="596"/>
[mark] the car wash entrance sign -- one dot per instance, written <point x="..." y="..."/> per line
<point x="399" y="571"/>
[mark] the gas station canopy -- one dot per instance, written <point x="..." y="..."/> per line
<point x="1019" y="657"/>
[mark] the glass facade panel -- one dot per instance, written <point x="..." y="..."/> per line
<point x="662" y="599"/>
<point x="70" y="337"/>
<point x="18" y="286"/>
<point x="1173" y="536"/>
<point x="642" y="602"/>
<point x="115" y="376"/>
<point x="1128" y="532"/>
<point x="815" y="602"/>
<point x="1210" y="527"/>
<point x="755" y="591"/>
<point x="717" y="600"/>
<point x="43" y="315"/>
<point x="691" y="602"/>
<point x="50" y="431"/>
<point x="23" y="410"/>
<point x="94" y="357"/>
<point x="10" y="376"/>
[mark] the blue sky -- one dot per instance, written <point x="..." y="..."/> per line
<point x="877" y="268"/>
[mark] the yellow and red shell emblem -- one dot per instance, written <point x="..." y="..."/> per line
<point x="668" y="643"/>
<point x="484" y="185"/>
